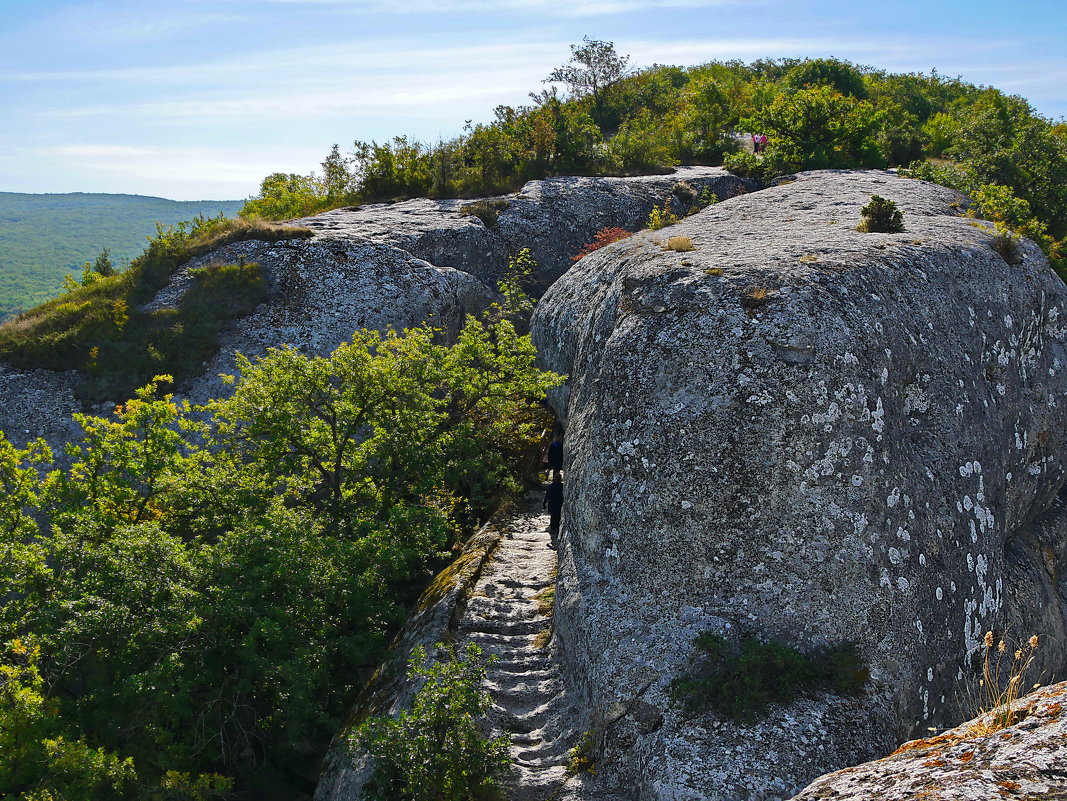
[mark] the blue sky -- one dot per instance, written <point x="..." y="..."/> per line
<point x="196" y="99"/>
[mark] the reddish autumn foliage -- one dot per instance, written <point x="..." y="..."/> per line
<point x="603" y="237"/>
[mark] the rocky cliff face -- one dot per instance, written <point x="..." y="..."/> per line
<point x="383" y="266"/>
<point x="811" y="434"/>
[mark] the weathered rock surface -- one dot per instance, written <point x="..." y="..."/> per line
<point x="810" y="433"/>
<point x="972" y="762"/>
<point x="553" y="218"/>
<point x="37" y="403"/>
<point x="322" y="291"/>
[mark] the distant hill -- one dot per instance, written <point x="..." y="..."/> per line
<point x="44" y="237"/>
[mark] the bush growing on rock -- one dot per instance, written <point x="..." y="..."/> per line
<point x="881" y="216"/>
<point x="740" y="682"/>
<point x="602" y="238"/>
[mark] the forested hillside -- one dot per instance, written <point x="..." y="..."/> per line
<point x="45" y="237"/>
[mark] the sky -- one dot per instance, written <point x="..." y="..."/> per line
<point x="201" y="99"/>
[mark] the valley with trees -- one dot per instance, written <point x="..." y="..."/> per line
<point x="46" y="237"/>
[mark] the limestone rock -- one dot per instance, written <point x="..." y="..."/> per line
<point x="383" y="266"/>
<point x="323" y="290"/>
<point x="972" y="762"/>
<point x="554" y="218"/>
<point x="814" y="434"/>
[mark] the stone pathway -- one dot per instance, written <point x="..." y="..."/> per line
<point x="509" y="615"/>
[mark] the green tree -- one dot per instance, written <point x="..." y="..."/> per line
<point x="436" y="751"/>
<point x="818" y="128"/>
<point x="594" y="66"/>
<point x="285" y="196"/>
<point x="840" y="76"/>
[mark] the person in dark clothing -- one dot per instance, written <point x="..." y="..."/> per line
<point x="554" y="504"/>
<point x="554" y="457"/>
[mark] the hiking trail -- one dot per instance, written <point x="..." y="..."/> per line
<point x="509" y="615"/>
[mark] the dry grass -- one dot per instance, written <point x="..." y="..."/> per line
<point x="1003" y="673"/>
<point x="755" y="296"/>
<point x="679" y="244"/>
<point x="543" y="638"/>
<point x="546" y="600"/>
<point x="243" y="230"/>
<point x="488" y="211"/>
<point x="1006" y="244"/>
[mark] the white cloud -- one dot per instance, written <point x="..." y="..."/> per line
<point x="189" y="171"/>
<point x="563" y="8"/>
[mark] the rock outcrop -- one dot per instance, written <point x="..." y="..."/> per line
<point x="554" y="218"/>
<point x="977" y="761"/>
<point x="811" y="434"/>
<point x="384" y="266"/>
<point x="37" y="403"/>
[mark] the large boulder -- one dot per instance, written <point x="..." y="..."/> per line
<point x="811" y="434"/>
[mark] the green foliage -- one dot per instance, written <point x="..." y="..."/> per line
<point x="390" y="171"/>
<point x="594" y="66"/>
<point x="996" y="203"/>
<point x="661" y="216"/>
<point x="582" y="758"/>
<point x="436" y="751"/>
<point x="638" y="149"/>
<point x="46" y="237"/>
<point x="740" y="682"/>
<point x="817" y="128"/>
<point x="1002" y="141"/>
<point x="517" y="306"/>
<point x="881" y="216"/>
<point x="40" y="764"/>
<point x="285" y="196"/>
<point x="100" y="330"/>
<point x="230" y="572"/>
<point x="840" y="76"/>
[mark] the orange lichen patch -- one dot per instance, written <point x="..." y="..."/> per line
<point x="1006" y="735"/>
<point x="1009" y="785"/>
<point x="934" y="763"/>
<point x="929" y="742"/>
<point x="1053" y="710"/>
<point x="966" y="757"/>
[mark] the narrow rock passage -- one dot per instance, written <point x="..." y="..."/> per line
<point x="509" y="614"/>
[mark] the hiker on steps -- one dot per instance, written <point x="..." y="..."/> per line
<point x="554" y="504"/>
<point x="554" y="454"/>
